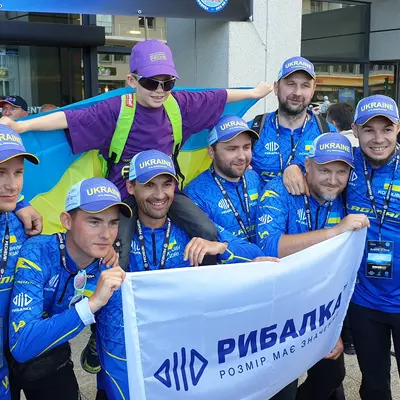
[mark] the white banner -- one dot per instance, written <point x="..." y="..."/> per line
<point x="239" y="331"/>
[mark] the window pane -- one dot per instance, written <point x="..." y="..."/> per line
<point x="41" y="75"/>
<point x="339" y="83"/>
<point x="382" y="80"/>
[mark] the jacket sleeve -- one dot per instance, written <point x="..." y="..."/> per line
<point x="272" y="216"/>
<point x="239" y="250"/>
<point x="111" y="348"/>
<point x="30" y="333"/>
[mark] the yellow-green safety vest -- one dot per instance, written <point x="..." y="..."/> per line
<point x="124" y="125"/>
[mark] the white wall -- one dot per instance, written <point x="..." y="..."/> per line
<point x="237" y="54"/>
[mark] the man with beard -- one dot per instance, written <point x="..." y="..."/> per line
<point x="286" y="134"/>
<point x="374" y="188"/>
<point x="288" y="224"/>
<point x="158" y="243"/>
<point x="228" y="191"/>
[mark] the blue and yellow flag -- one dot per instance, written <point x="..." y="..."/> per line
<point x="46" y="185"/>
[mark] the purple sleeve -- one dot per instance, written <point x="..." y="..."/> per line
<point x="92" y="128"/>
<point x="200" y="110"/>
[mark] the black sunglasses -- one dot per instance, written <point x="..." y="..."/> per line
<point x="154" y="84"/>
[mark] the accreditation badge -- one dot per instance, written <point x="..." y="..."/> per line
<point x="379" y="259"/>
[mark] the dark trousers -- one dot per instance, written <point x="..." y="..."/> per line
<point x="372" y="331"/>
<point x="323" y="379"/>
<point x="61" y="385"/>
<point x="324" y="382"/>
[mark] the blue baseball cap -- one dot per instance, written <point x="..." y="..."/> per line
<point x="296" y="64"/>
<point x="227" y="128"/>
<point x="148" y="164"/>
<point x="95" y="195"/>
<point x="330" y="147"/>
<point x="374" y="106"/>
<point x="11" y="146"/>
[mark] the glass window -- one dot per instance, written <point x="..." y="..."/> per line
<point x="121" y="58"/>
<point x="105" y="58"/>
<point x="339" y="83"/>
<point x="112" y="75"/>
<point x="107" y="22"/>
<point x="41" y="75"/>
<point x="151" y="22"/>
<point x="316" y="6"/>
<point x="381" y="80"/>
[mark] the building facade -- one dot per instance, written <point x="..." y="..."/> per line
<point x="63" y="58"/>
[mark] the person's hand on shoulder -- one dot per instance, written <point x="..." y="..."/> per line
<point x="31" y="219"/>
<point x="295" y="181"/>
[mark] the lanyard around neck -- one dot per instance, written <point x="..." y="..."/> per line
<point x="293" y="145"/>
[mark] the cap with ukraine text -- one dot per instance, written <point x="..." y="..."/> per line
<point x="296" y="64"/>
<point x="16" y="101"/>
<point x="95" y="195"/>
<point x="330" y="147"/>
<point x="148" y="164"/>
<point x="152" y="57"/>
<point x="11" y="146"/>
<point x="227" y="128"/>
<point x="377" y="105"/>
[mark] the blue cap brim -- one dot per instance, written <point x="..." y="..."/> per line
<point x="99" y="206"/>
<point x="331" y="158"/>
<point x="9" y="154"/>
<point x="148" y="176"/>
<point x="227" y="138"/>
<point x="296" y="70"/>
<point x="367" y="118"/>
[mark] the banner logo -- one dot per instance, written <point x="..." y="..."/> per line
<point x="197" y="365"/>
<point x="212" y="5"/>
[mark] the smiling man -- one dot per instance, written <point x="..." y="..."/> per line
<point x="288" y="224"/>
<point x="61" y="281"/>
<point x="228" y="191"/>
<point x="374" y="188"/>
<point x="287" y="133"/>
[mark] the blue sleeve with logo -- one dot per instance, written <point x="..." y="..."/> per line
<point x="272" y="216"/>
<point x="239" y="250"/>
<point x="30" y="333"/>
<point x="111" y="348"/>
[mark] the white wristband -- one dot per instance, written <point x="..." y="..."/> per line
<point x="83" y="310"/>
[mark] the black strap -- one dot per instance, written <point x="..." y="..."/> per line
<point x="177" y="166"/>
<point x="6" y="248"/>
<point x="322" y="123"/>
<point x="293" y="145"/>
<point x="309" y="217"/>
<point x="63" y="253"/>
<point x="232" y="206"/>
<point x="259" y="122"/>
<point x="142" y="244"/>
<point x="371" y="195"/>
